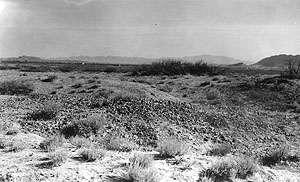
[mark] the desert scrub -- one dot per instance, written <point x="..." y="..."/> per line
<point x="230" y="168"/>
<point x="16" y="87"/>
<point x="170" y="148"/>
<point x="117" y="143"/>
<point x="49" y="110"/>
<point x="58" y="156"/>
<point x="85" y="127"/>
<point x="91" y="154"/>
<point x="213" y="94"/>
<point x="139" y="169"/>
<point x="220" y="150"/>
<point x="277" y="155"/>
<point x="53" y="143"/>
<point x="80" y="142"/>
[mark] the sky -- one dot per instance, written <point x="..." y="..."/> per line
<point x="243" y="29"/>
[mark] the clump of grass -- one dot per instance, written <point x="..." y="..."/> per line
<point x="15" y="87"/>
<point x="47" y="111"/>
<point x="220" y="150"/>
<point x="213" y="94"/>
<point x="16" y="146"/>
<point x="80" y="142"/>
<point x="53" y="143"/>
<point x="141" y="160"/>
<point x="85" y="127"/>
<point x="230" y="168"/>
<point x="139" y="174"/>
<point x="277" y="155"/>
<point x="139" y="169"/>
<point x="245" y="166"/>
<point x="91" y="154"/>
<point x="119" y="144"/>
<point x="171" y="148"/>
<point x="12" y="130"/>
<point x="58" y="156"/>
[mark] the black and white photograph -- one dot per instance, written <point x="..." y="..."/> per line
<point x="149" y="90"/>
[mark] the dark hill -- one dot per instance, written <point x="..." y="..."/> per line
<point x="278" y="60"/>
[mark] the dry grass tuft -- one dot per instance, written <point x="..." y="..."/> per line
<point x="53" y="143"/>
<point x="58" y="156"/>
<point x="139" y="169"/>
<point x="220" y="150"/>
<point x="171" y="148"/>
<point x="119" y="144"/>
<point x="80" y="142"/>
<point x="229" y="168"/>
<point x="91" y="154"/>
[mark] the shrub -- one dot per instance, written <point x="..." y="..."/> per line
<point x="47" y="111"/>
<point x="215" y="120"/>
<point x="220" y="150"/>
<point x="85" y="127"/>
<point x="91" y="154"/>
<point x="58" y="157"/>
<point x="52" y="143"/>
<point x="171" y="148"/>
<point x="277" y="155"/>
<point x="80" y="142"/>
<point x="15" y="87"/>
<point x="118" y="143"/>
<point x="213" y="94"/>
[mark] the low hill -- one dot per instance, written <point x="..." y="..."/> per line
<point x="141" y="60"/>
<point x="278" y="60"/>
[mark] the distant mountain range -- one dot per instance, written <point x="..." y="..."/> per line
<point x="278" y="60"/>
<point x="219" y="60"/>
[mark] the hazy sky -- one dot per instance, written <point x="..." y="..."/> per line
<point x="242" y="29"/>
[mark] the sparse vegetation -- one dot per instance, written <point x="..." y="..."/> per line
<point x="171" y="148"/>
<point x="15" y="87"/>
<point x="47" y="111"/>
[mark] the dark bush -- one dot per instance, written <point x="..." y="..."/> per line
<point x="47" y="111"/>
<point x="84" y="127"/>
<point x="15" y="87"/>
<point x="172" y="67"/>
